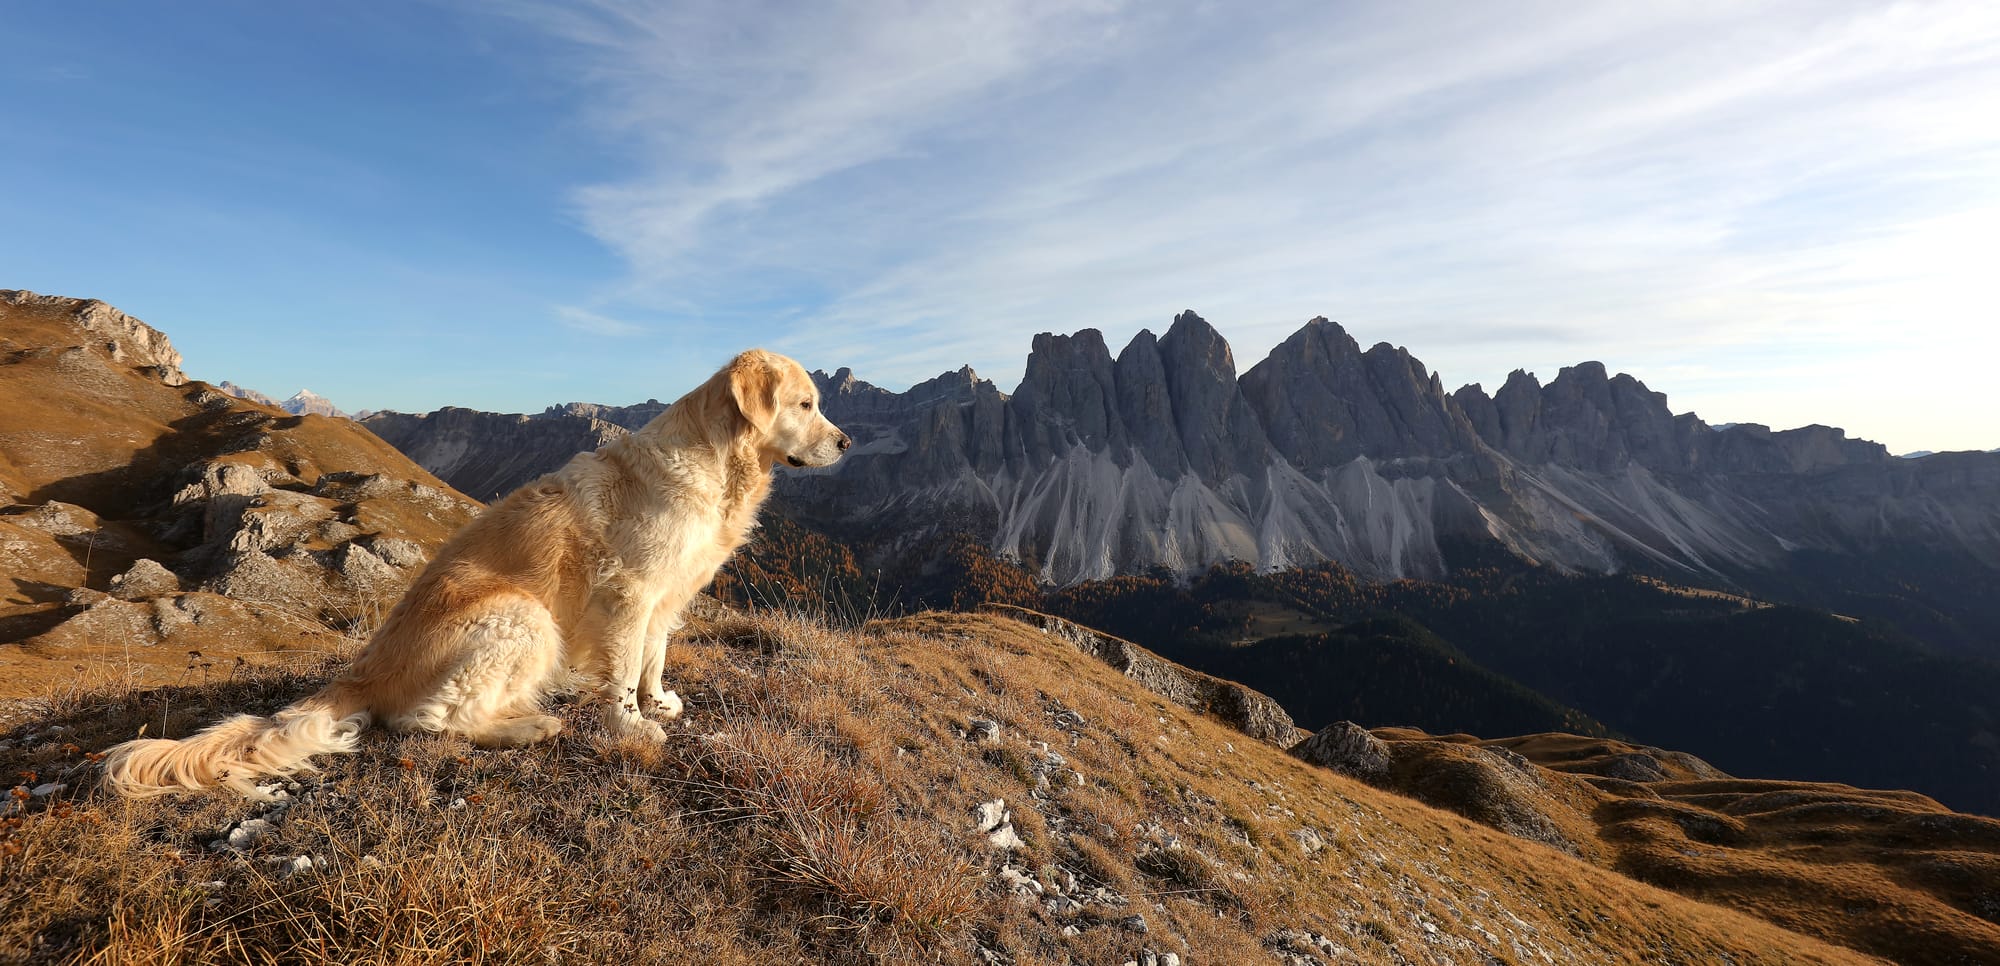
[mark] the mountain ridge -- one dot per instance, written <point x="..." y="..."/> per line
<point x="1164" y="456"/>
<point x="300" y="403"/>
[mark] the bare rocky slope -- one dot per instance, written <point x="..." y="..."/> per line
<point x="154" y="529"/>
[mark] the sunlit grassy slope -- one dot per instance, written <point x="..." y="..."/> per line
<point x="818" y="804"/>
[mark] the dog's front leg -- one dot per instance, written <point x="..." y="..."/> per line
<point x="654" y="699"/>
<point x="618" y="620"/>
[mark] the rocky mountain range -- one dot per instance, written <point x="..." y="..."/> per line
<point x="1163" y="456"/>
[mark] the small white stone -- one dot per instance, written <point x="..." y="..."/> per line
<point x="1004" y="837"/>
<point x="1309" y="840"/>
<point x="1020" y="881"/>
<point x="991" y="815"/>
<point x="246" y="834"/>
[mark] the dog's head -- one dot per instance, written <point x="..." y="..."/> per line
<point x="780" y="404"/>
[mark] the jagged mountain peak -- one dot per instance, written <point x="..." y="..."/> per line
<point x="1588" y="371"/>
<point x="1081" y="343"/>
<point x="1142" y="343"/>
<point x="1317" y="339"/>
<point x="1191" y="338"/>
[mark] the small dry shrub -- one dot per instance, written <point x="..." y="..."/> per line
<point x="872" y="877"/>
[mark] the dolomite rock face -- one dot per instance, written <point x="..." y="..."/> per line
<point x="1163" y="456"/>
<point x="1327" y="403"/>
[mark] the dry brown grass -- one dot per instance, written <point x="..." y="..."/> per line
<point x="815" y="807"/>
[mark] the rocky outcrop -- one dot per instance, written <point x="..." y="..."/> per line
<point x="126" y="341"/>
<point x="1347" y="748"/>
<point x="1490" y="785"/>
<point x="1245" y="710"/>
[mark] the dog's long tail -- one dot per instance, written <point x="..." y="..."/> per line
<point x="236" y="753"/>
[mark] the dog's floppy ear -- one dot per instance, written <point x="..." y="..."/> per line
<point x="753" y="381"/>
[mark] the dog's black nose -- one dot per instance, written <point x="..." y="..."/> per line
<point x="845" y="442"/>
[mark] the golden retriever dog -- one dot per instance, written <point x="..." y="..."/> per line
<point x="584" y="572"/>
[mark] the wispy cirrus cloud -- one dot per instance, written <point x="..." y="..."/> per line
<point x="583" y="320"/>
<point x="903" y="188"/>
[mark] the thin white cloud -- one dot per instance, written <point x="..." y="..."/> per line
<point x="913" y="186"/>
<point x="583" y="320"/>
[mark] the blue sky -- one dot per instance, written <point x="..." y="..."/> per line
<point x="1778" y="213"/>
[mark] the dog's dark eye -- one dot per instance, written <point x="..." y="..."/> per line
<point x="808" y="404"/>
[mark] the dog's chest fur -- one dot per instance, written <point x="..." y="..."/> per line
<point x="670" y="515"/>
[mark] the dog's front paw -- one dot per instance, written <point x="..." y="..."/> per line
<point x="624" y="721"/>
<point x="663" y="704"/>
